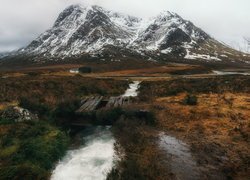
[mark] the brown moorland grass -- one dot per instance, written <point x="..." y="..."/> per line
<point x="215" y="84"/>
<point x="138" y="152"/>
<point x="29" y="149"/>
<point x="50" y="90"/>
<point x="113" y="69"/>
<point x="157" y="71"/>
<point x="217" y="128"/>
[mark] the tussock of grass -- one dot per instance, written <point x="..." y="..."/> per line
<point x="139" y="155"/>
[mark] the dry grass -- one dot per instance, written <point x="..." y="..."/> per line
<point x="50" y="90"/>
<point x="152" y="71"/>
<point x="4" y="105"/>
<point x="140" y="157"/>
<point x="140" y="71"/>
<point x="218" y="129"/>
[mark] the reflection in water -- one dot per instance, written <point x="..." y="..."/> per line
<point x="230" y="73"/>
<point x="182" y="163"/>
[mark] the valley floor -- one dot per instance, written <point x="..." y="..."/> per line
<point x="216" y="130"/>
<point x="186" y="123"/>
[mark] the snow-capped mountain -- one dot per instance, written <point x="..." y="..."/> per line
<point x="4" y="54"/>
<point x="95" y="32"/>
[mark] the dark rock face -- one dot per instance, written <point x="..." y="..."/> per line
<point x="175" y="38"/>
<point x="92" y="29"/>
<point x="97" y="18"/>
<point x="18" y="114"/>
<point x="94" y="19"/>
<point x="150" y="31"/>
<point x="191" y="27"/>
<point x="67" y="12"/>
<point x="179" y="51"/>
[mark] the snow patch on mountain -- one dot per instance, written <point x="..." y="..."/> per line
<point x="88" y="29"/>
<point x="99" y="33"/>
<point x="190" y="55"/>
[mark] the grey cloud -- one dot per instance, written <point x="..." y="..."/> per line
<point x="226" y="20"/>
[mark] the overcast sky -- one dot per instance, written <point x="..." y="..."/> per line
<point x="21" y="21"/>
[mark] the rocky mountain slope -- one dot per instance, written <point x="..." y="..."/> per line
<point x="4" y="54"/>
<point x="95" y="33"/>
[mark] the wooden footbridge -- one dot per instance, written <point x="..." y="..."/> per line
<point x="99" y="102"/>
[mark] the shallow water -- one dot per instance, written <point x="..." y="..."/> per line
<point x="92" y="161"/>
<point x="74" y="71"/>
<point x="182" y="164"/>
<point x="132" y="91"/>
<point x="230" y="73"/>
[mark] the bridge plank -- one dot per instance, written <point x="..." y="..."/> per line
<point x="120" y="101"/>
<point x="91" y="103"/>
<point x="86" y="104"/>
<point x="110" y="102"/>
<point x="116" y="104"/>
<point x="84" y="100"/>
<point x="95" y="103"/>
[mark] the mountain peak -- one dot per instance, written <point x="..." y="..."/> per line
<point x="93" y="30"/>
<point x="166" y="13"/>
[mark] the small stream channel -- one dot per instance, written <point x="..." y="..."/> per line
<point x="132" y="90"/>
<point x="223" y="73"/>
<point x="94" y="158"/>
<point x="179" y="157"/>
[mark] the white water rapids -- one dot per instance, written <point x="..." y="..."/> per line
<point x="132" y="90"/>
<point x="94" y="159"/>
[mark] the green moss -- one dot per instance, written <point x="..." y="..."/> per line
<point x="8" y="151"/>
<point x="6" y="121"/>
<point x="24" y="171"/>
<point x="34" y="105"/>
<point x="29" y="150"/>
<point x="107" y="117"/>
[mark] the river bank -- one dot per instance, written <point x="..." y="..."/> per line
<point x="207" y="139"/>
<point x="93" y="155"/>
<point x="29" y="149"/>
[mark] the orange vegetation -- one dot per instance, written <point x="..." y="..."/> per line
<point x="217" y="128"/>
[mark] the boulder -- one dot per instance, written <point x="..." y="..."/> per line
<point x="18" y="114"/>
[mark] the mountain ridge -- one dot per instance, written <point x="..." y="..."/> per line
<point x="94" y="32"/>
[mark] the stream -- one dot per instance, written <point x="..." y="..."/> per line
<point x="132" y="90"/>
<point x="179" y="156"/>
<point x="92" y="160"/>
<point x="222" y="73"/>
<point x="95" y="156"/>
